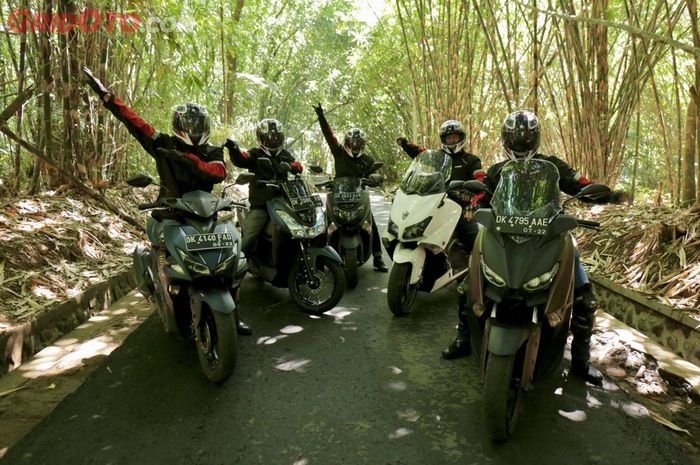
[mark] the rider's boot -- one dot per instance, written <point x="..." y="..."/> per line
<point x="461" y="346"/>
<point x="379" y="264"/>
<point x="582" y="324"/>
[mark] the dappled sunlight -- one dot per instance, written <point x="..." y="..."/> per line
<point x="291" y="329"/>
<point x="44" y="292"/>
<point x="632" y="409"/>
<point x="592" y="402"/>
<point x="394" y="370"/>
<point x="57" y="359"/>
<point x="400" y="433"/>
<point x="397" y="386"/>
<point x="340" y="312"/>
<point x="298" y="365"/>
<point x="301" y="461"/>
<point x="409" y="415"/>
<point x="269" y="340"/>
<point x="576" y="415"/>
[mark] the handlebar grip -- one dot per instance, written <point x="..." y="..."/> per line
<point x="588" y="224"/>
<point x="146" y="206"/>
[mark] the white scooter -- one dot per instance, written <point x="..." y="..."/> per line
<point x="419" y="236"/>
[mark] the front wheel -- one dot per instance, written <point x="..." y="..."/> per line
<point x="217" y="344"/>
<point x="351" y="268"/>
<point x="400" y="293"/>
<point x="319" y="289"/>
<point x="501" y="396"/>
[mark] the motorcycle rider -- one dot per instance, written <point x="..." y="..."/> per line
<point x="185" y="161"/>
<point x="465" y="167"/>
<point x="520" y="136"/>
<point x="271" y="138"/>
<point x="351" y="161"/>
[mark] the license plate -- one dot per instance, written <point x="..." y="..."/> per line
<point x="306" y="203"/>
<point x="522" y="225"/>
<point x="208" y="241"/>
<point x="347" y="197"/>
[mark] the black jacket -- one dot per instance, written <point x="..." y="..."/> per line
<point x="200" y="168"/>
<point x="345" y="164"/>
<point x="258" y="195"/>
<point x="570" y="182"/>
<point x="465" y="166"/>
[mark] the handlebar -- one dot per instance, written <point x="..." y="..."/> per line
<point x="148" y="206"/>
<point x="588" y="224"/>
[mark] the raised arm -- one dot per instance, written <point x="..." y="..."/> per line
<point x="409" y="147"/>
<point x="137" y="126"/>
<point x="331" y="140"/>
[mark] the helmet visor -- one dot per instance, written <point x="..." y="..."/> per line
<point x="272" y="140"/>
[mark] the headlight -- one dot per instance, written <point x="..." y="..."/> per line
<point x="393" y="228"/>
<point x="543" y="280"/>
<point x="416" y="230"/>
<point x="347" y="215"/>
<point x="492" y="276"/>
<point x="192" y="265"/>
<point x="300" y="231"/>
<point x="223" y="266"/>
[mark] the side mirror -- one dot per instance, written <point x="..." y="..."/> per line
<point x="244" y="178"/>
<point x="375" y="167"/>
<point x="594" y="191"/>
<point x="315" y="169"/>
<point x="456" y="185"/>
<point x="376" y="179"/>
<point x="141" y="180"/>
<point x="475" y="187"/>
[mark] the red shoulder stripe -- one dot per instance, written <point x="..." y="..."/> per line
<point x="133" y="117"/>
<point x="214" y="168"/>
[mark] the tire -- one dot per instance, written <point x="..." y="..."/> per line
<point x="501" y="398"/>
<point x="350" y="268"/>
<point x="401" y="295"/>
<point x="308" y="298"/>
<point x="217" y="344"/>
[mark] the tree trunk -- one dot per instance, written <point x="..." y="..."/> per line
<point x="690" y="143"/>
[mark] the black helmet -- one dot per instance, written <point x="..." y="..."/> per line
<point x="455" y="143"/>
<point x="270" y="135"/>
<point x="191" y="124"/>
<point x="520" y="133"/>
<point x="355" y="141"/>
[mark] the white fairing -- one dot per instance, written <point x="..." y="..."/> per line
<point x="408" y="210"/>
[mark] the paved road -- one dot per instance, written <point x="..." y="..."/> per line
<point x="356" y="386"/>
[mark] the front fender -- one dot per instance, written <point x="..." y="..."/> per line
<point x="416" y="257"/>
<point x="350" y="242"/>
<point x="327" y="251"/>
<point x="507" y="340"/>
<point x="219" y="299"/>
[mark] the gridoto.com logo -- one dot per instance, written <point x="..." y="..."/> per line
<point x="91" y="20"/>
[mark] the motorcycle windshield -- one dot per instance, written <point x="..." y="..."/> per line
<point x="347" y="185"/>
<point x="427" y="174"/>
<point x="528" y="188"/>
<point x="296" y="189"/>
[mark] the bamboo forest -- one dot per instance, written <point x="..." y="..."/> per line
<point x="406" y="232"/>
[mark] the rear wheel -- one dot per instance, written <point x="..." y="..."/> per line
<point x="400" y="293"/>
<point x="501" y="397"/>
<point x="319" y="289"/>
<point x="217" y="344"/>
<point x="351" y="268"/>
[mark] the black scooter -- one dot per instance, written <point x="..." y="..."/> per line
<point x="293" y="252"/>
<point x="350" y="219"/>
<point x="521" y="285"/>
<point x="193" y="272"/>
